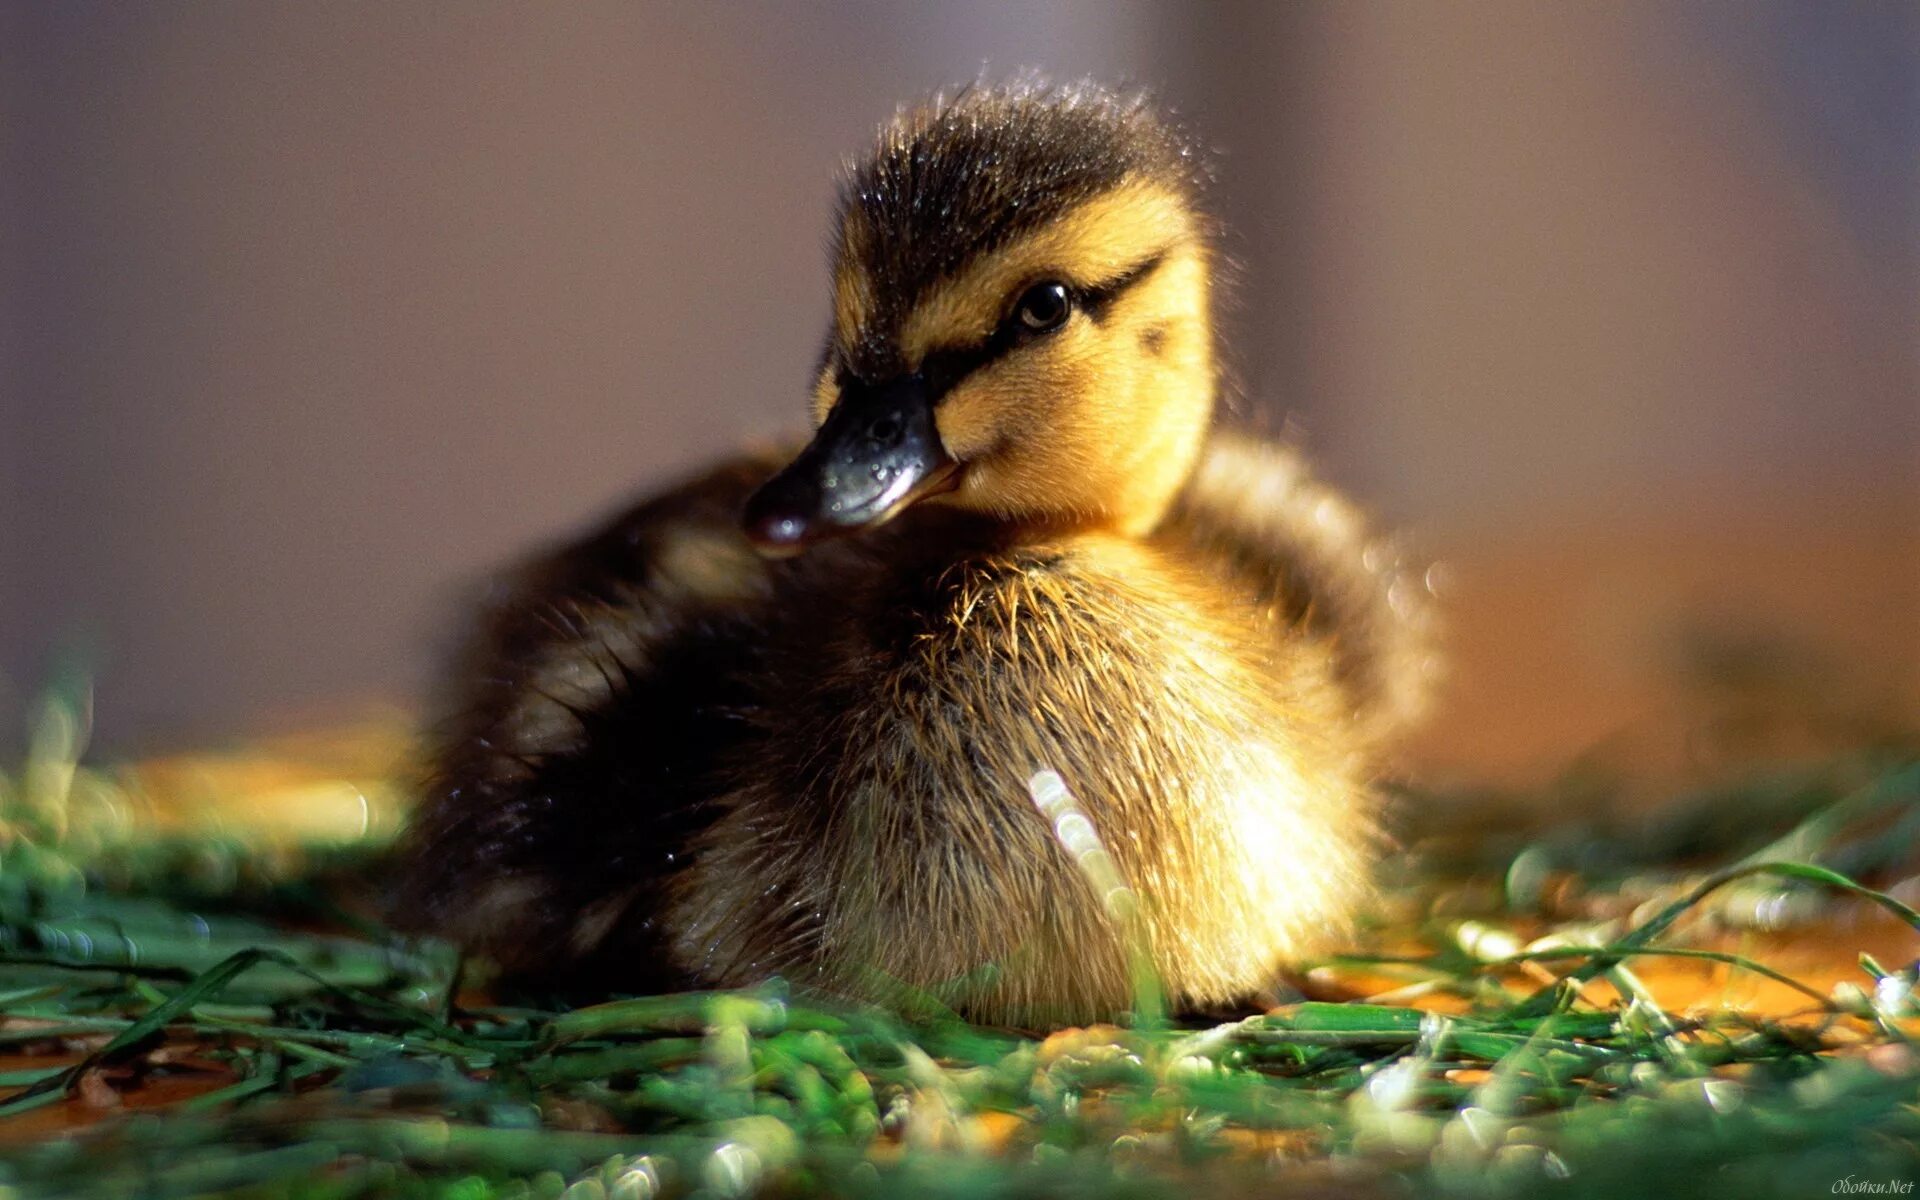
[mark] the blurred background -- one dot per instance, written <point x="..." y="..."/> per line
<point x="309" y="314"/>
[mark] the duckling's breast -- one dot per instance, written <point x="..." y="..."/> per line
<point x="880" y="831"/>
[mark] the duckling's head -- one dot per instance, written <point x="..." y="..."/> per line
<point x="1021" y="321"/>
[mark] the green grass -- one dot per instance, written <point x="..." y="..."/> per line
<point x="344" y="1062"/>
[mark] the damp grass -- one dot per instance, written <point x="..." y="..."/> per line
<point x="1490" y="1035"/>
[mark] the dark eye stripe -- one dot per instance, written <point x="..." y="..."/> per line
<point x="1096" y="300"/>
<point x="944" y="368"/>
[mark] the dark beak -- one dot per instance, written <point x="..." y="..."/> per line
<point x="877" y="453"/>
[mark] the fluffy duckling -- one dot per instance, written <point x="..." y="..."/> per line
<point x="787" y="719"/>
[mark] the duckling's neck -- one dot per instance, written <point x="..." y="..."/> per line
<point x="1122" y="490"/>
<point x="1155" y="476"/>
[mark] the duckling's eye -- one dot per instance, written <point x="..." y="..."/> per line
<point x="1044" y="306"/>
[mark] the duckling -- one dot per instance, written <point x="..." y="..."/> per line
<point x="788" y="717"/>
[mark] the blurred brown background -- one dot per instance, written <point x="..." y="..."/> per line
<point x="309" y="313"/>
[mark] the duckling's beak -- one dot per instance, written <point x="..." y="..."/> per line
<point x="878" y="452"/>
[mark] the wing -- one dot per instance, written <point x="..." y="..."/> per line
<point x="1255" y="513"/>
<point x="578" y="729"/>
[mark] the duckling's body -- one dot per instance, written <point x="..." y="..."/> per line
<point x="674" y="760"/>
